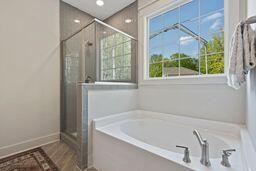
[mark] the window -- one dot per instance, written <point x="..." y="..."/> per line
<point x="116" y="54"/>
<point x="187" y="40"/>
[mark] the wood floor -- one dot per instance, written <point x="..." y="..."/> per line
<point x="63" y="156"/>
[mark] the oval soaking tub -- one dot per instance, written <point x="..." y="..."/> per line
<point x="146" y="141"/>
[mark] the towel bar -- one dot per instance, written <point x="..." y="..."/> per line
<point x="251" y="20"/>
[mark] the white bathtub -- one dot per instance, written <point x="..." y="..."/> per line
<point x="146" y="141"/>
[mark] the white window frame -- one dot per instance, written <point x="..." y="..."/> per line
<point x="232" y="14"/>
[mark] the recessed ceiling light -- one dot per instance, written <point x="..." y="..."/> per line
<point x="77" y="21"/>
<point x="100" y="2"/>
<point x="128" y="20"/>
<point x="104" y="32"/>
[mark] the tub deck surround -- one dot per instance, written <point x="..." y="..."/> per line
<point x="159" y="133"/>
<point x="83" y="129"/>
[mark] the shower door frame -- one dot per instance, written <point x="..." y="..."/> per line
<point x="78" y="144"/>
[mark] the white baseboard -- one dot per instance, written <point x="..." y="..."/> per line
<point x="29" y="144"/>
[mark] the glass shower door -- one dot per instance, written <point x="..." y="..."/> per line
<point x="79" y="63"/>
<point x="72" y="74"/>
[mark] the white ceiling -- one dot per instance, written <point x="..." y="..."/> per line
<point x="110" y="7"/>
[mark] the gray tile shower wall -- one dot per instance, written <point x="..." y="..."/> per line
<point x="118" y="20"/>
<point x="68" y="14"/>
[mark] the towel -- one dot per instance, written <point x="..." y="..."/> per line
<point x="235" y="72"/>
<point x="242" y="55"/>
<point x="249" y="48"/>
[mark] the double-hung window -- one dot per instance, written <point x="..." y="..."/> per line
<point x="187" y="40"/>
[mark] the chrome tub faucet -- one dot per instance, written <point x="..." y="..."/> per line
<point x="205" y="160"/>
<point x="186" y="157"/>
<point x="225" y="155"/>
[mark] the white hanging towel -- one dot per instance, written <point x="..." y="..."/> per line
<point x="249" y="48"/>
<point x="242" y="55"/>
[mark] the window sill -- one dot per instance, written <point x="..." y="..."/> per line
<point x="186" y="80"/>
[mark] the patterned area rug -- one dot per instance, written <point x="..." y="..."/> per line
<point x="32" y="160"/>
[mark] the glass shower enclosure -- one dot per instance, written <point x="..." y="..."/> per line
<point x="97" y="52"/>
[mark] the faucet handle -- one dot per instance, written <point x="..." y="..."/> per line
<point x="228" y="152"/>
<point x="179" y="146"/>
<point x="186" y="158"/>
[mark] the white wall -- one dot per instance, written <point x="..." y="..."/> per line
<point x="106" y="102"/>
<point x="207" y="98"/>
<point x="214" y="102"/>
<point x="29" y="74"/>
<point x="251" y="88"/>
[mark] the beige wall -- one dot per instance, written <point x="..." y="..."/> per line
<point x="29" y="73"/>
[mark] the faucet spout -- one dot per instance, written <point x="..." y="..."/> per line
<point x="199" y="137"/>
<point x="205" y="159"/>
